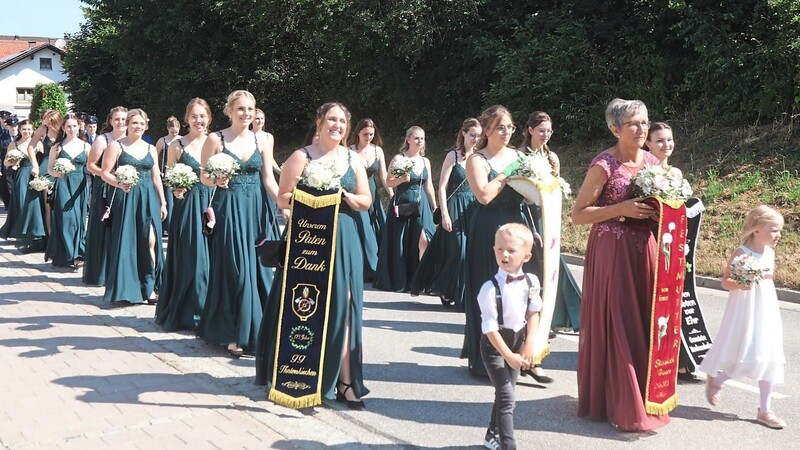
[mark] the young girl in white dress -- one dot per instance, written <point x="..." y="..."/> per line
<point x="750" y="339"/>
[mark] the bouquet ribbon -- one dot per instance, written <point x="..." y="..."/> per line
<point x="665" y="314"/>
<point x="305" y="299"/>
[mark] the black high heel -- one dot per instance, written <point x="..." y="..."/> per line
<point x="541" y="378"/>
<point x="352" y="404"/>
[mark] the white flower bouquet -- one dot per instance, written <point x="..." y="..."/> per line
<point x="747" y="269"/>
<point x="63" y="166"/>
<point x="221" y="165"/>
<point x="322" y="175"/>
<point x="666" y="183"/>
<point x="127" y="174"/>
<point x="401" y="166"/>
<point x="14" y="156"/>
<point x="565" y="187"/>
<point x="40" y="184"/>
<point x="180" y="176"/>
<point x="536" y="167"/>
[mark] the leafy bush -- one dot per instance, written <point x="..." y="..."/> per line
<point x="47" y="96"/>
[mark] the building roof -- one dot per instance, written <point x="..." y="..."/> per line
<point x="10" y="45"/>
<point x="13" y="58"/>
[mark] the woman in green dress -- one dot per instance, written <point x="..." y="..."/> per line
<point x="237" y="283"/>
<point x="98" y="232"/>
<point x="441" y="269"/>
<point x="184" y="286"/>
<point x="342" y="363"/>
<point x="19" y="171"/>
<point x="68" y="216"/>
<point x="405" y="238"/>
<point x="568" y="299"/>
<point x="135" y="253"/>
<point x="368" y="145"/>
<point x="34" y="227"/>
<point x="488" y="170"/>
<point x="162" y="146"/>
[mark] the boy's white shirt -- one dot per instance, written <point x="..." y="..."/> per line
<point x="515" y="302"/>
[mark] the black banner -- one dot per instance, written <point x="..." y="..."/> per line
<point x="695" y="339"/>
<point x="305" y="298"/>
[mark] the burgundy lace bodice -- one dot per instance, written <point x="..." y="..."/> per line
<point x="618" y="188"/>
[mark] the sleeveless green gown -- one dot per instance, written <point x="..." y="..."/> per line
<point x="185" y="283"/>
<point x="481" y="265"/>
<point x="170" y="199"/>
<point x="98" y="235"/>
<point x="348" y="281"/>
<point x="68" y="214"/>
<point x="376" y="212"/>
<point x="131" y="275"/>
<point x="441" y="269"/>
<point x="237" y="282"/>
<point x="29" y="228"/>
<point x="398" y="252"/>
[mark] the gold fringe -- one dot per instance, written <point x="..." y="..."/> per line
<point x="288" y="401"/>
<point x="673" y="203"/>
<point x="661" y="409"/>
<point x="547" y="187"/>
<point x="314" y="201"/>
<point x="538" y="358"/>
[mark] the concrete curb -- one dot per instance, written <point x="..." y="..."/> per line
<point x="785" y="295"/>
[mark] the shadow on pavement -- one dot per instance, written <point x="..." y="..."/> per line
<point x="415" y="326"/>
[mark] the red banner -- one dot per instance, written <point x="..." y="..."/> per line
<point x="665" y="315"/>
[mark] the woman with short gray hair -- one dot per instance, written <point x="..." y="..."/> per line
<point x="618" y="277"/>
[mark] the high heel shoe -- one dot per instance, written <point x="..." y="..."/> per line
<point x="356" y="405"/>
<point x="539" y="375"/>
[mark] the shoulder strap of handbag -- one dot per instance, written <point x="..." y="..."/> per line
<point x="455" y="152"/>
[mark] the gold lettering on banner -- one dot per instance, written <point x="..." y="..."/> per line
<point x="303" y="223"/>
<point x="301" y="263"/>
<point x="295" y="371"/>
<point x="305" y="237"/>
<point x="662" y="363"/>
<point x="310" y="252"/>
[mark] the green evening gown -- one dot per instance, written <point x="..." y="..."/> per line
<point x="131" y="275"/>
<point x="29" y="228"/>
<point x="441" y="269"/>
<point x="348" y="283"/>
<point x="481" y="265"/>
<point x="567" y="313"/>
<point x="185" y="283"/>
<point x="376" y="212"/>
<point x="162" y="166"/>
<point x="68" y="214"/>
<point x="237" y="283"/>
<point x="398" y="252"/>
<point x="98" y="234"/>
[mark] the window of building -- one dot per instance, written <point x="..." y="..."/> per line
<point x="24" y="95"/>
<point x="45" y="63"/>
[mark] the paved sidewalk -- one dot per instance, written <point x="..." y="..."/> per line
<point x="78" y="373"/>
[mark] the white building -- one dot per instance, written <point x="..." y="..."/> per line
<point x="21" y="71"/>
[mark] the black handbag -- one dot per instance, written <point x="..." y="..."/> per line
<point x="272" y="253"/>
<point x="406" y="210"/>
<point x="437" y="216"/>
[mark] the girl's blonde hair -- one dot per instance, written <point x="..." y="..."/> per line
<point x="236" y="95"/>
<point x="756" y="219"/>
<point x="409" y="132"/>
<point x="137" y="112"/>
<point x="172" y="121"/>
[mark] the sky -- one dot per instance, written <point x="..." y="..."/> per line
<point x="41" y="18"/>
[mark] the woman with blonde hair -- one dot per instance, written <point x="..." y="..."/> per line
<point x="98" y="231"/>
<point x="47" y="133"/>
<point x="237" y="282"/>
<point x="409" y="226"/>
<point x="184" y="287"/>
<point x="135" y="253"/>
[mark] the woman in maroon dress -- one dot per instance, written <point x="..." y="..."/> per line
<point x="618" y="277"/>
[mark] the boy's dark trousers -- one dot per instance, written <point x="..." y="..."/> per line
<point x="504" y="379"/>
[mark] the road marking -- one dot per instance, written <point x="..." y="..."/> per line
<point x="731" y="383"/>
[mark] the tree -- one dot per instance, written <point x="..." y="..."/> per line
<point x="47" y="96"/>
